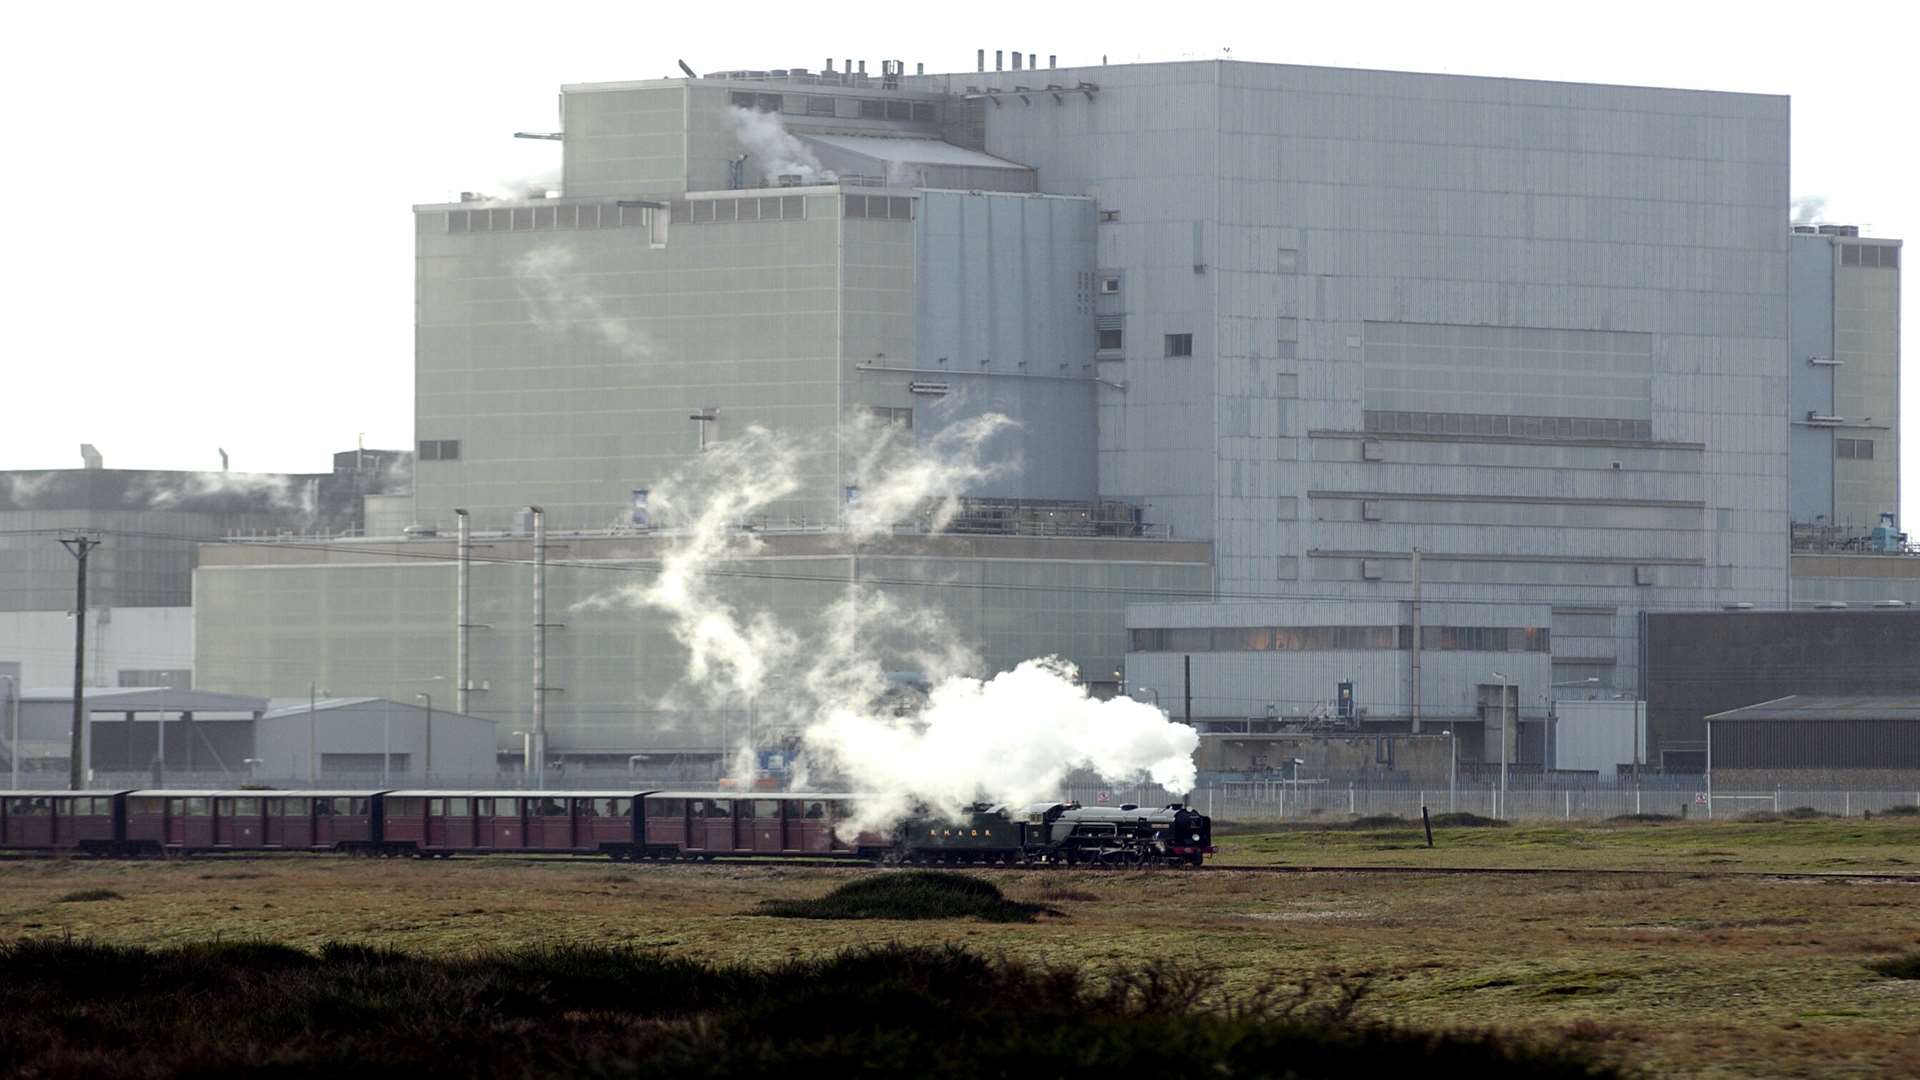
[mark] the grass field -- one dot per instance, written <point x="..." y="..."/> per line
<point x="1667" y="971"/>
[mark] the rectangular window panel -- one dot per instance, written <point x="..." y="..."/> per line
<point x="1179" y="344"/>
<point x="819" y="106"/>
<point x="856" y="206"/>
<point x="873" y="109"/>
<point x="793" y="207"/>
<point x="1110" y="340"/>
<point x="923" y="112"/>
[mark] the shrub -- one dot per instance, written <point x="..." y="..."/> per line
<point x="1464" y="820"/>
<point x="1379" y="821"/>
<point x="911" y="894"/>
<point x="1898" y="967"/>
<point x="1901" y="811"/>
<point x="77" y="1009"/>
<point x="85" y="896"/>
<point x="1640" y="819"/>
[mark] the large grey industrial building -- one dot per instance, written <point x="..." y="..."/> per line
<point x="1278" y="327"/>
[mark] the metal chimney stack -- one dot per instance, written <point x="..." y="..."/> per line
<point x="537" y="759"/>
<point x="462" y="628"/>
<point x="1016" y="60"/>
<point x="983" y="60"/>
<point x="1052" y="60"/>
<point x="999" y="59"/>
<point x="829" y="65"/>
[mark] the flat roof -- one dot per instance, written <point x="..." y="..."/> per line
<point x="1826" y="707"/>
<point x="911" y="150"/>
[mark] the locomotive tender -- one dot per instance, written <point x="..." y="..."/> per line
<point x="623" y="825"/>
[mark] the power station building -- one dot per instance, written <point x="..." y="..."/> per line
<point x="1268" y="331"/>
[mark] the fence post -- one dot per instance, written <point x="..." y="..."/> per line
<point x="1569" y="795"/>
<point x="1350" y="809"/>
<point x="1776" y="800"/>
<point x="1846" y="804"/>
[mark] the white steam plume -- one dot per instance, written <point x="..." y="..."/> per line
<point x="1008" y="739"/>
<point x="557" y="300"/>
<point x="209" y="491"/>
<point x="774" y="150"/>
<point x="1808" y="209"/>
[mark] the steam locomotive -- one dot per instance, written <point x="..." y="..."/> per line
<point x="1061" y="834"/>
<point x="622" y="825"/>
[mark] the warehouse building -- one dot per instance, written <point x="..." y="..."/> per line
<point x="153" y="736"/>
<point x="1299" y="323"/>
<point x="1703" y="664"/>
<point x="1815" y="741"/>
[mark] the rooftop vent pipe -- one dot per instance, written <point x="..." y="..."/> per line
<point x="982" y="60"/>
<point x="1016" y="60"/>
<point x="1052" y="60"/>
<point x="999" y="60"/>
<point x="829" y="65"/>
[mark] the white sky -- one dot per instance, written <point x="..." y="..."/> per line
<point x="212" y="239"/>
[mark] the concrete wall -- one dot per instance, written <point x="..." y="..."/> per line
<point x="1383" y="759"/>
<point x="1810" y="335"/>
<point x="1004" y="319"/>
<point x="1288" y="216"/>
<point x="382" y="623"/>
<point x="133" y="640"/>
<point x="1598" y="736"/>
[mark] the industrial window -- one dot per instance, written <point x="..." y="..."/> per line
<point x="856" y="206"/>
<point x="819" y="106"/>
<point x="873" y="109"/>
<point x="1855" y="449"/>
<point x="1109" y="215"/>
<point x="1110" y="286"/>
<point x="701" y="211"/>
<point x="439" y="450"/>
<point x="458" y="221"/>
<point x="760" y="102"/>
<point x="923" y="112"/>
<point x="1111" y="340"/>
<point x="1179" y="344"/>
<point x="899" y="110"/>
<point x="793" y="207"/>
<point x="902" y="416"/>
<point x="1849" y="254"/>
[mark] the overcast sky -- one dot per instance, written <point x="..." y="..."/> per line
<point x="212" y="240"/>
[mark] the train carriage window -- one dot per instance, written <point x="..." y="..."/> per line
<point x="587" y="807"/>
<point x="436" y="807"/>
<point x="483" y="808"/>
<point x="361" y="807"/>
<point x="26" y="808"/>
<point x="323" y="808"/>
<point x="409" y="808"/>
<point x="197" y="808"/>
<point x="146" y="805"/>
<point x="666" y="808"/>
<point x="794" y="810"/>
<point x="766" y="809"/>
<point x="246" y="807"/>
<point x="458" y="808"/>
<point x="603" y="807"/>
<point x="296" y="808"/>
<point x="342" y="807"/>
<point x="223" y="807"/>
<point x="547" y="807"/>
<point x="744" y="809"/>
<point x="816" y="809"/>
<point x="620" y="808"/>
<point x="840" y="810"/>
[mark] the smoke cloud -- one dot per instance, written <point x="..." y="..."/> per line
<point x="1010" y="738"/>
<point x="213" y="492"/>
<point x="1809" y="209"/>
<point x="774" y="150"/>
<point x="558" y="301"/>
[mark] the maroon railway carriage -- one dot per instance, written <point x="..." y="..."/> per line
<point x="446" y="823"/>
<point x="704" y="824"/>
<point x="187" y="821"/>
<point x="59" y="820"/>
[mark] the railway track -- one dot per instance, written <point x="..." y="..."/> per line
<point x="1872" y="877"/>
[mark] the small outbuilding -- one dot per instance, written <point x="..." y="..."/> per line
<point x="1816" y="741"/>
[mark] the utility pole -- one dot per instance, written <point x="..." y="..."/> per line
<point x="461" y="629"/>
<point x="79" y="547"/>
<point x="537" y="763"/>
<point x="1414" y="696"/>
